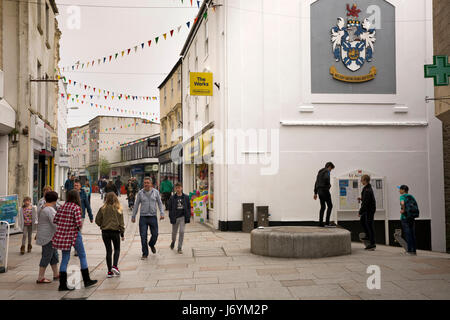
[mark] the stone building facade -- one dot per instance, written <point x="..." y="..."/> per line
<point x="30" y="60"/>
<point x="170" y="91"/>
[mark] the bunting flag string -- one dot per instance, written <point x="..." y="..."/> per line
<point x="104" y="145"/>
<point x="98" y="61"/>
<point x="115" y="108"/>
<point x="78" y="133"/>
<point x="109" y="95"/>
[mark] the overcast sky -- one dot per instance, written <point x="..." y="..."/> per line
<point x="105" y="31"/>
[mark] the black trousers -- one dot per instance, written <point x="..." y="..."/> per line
<point x="367" y="223"/>
<point x="114" y="237"/>
<point x="165" y="199"/>
<point x="325" y="201"/>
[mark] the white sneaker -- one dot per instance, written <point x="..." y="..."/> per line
<point x="116" y="271"/>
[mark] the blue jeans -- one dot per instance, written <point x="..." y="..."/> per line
<point x="81" y="255"/>
<point x="144" y="223"/>
<point x="409" y="231"/>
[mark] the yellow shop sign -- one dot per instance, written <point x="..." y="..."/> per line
<point x="201" y="83"/>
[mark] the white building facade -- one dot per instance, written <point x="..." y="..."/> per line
<point x="281" y="81"/>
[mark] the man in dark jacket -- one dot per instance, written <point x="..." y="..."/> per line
<point x="179" y="215"/>
<point x="322" y="188"/>
<point x="118" y="185"/>
<point x="367" y="211"/>
<point x="101" y="187"/>
<point x="85" y="205"/>
<point x="69" y="183"/>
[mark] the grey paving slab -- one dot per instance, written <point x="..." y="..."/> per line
<point x="176" y="282"/>
<point x="220" y="286"/>
<point x="209" y="294"/>
<point x="329" y="290"/>
<point x="155" y="296"/>
<point x="264" y="284"/>
<point x="275" y="293"/>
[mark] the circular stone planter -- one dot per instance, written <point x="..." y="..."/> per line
<point x="300" y="242"/>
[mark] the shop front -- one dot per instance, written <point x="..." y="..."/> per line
<point x="199" y="174"/>
<point x="169" y="168"/>
<point x="44" y="158"/>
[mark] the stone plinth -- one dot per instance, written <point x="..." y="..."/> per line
<point x="300" y="242"/>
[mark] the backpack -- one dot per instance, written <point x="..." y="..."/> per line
<point x="411" y="207"/>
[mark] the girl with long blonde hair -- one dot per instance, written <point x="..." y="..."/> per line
<point x="110" y="220"/>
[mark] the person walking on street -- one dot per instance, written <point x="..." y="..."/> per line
<point x="110" y="187"/>
<point x="135" y="184"/>
<point x="166" y="191"/>
<point x="102" y="185"/>
<point x="27" y="221"/>
<point x="69" y="185"/>
<point x="148" y="199"/>
<point x="42" y="201"/>
<point x="367" y="211"/>
<point x="45" y="231"/>
<point x="408" y="213"/>
<point x="110" y="220"/>
<point x="88" y="190"/>
<point x="85" y="204"/>
<point x="68" y="234"/>
<point x="322" y="188"/>
<point x="179" y="215"/>
<point x="118" y="185"/>
<point x="131" y="194"/>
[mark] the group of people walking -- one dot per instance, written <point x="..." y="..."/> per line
<point x="409" y="210"/>
<point x="59" y="227"/>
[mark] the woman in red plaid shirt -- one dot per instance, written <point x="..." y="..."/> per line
<point x="68" y="233"/>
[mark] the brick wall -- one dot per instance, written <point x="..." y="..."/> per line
<point x="441" y="26"/>
<point x="446" y="139"/>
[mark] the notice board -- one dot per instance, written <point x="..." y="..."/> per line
<point x="350" y="190"/>
<point x="9" y="208"/>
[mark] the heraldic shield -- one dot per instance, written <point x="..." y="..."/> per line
<point x="353" y="42"/>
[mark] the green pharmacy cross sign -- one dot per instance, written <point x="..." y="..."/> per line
<point x="439" y="70"/>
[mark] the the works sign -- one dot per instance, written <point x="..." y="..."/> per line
<point x="201" y="83"/>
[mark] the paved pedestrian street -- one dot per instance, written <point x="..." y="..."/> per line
<point x="219" y="265"/>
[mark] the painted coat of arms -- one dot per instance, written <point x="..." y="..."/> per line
<point x="353" y="43"/>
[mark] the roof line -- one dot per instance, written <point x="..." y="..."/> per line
<point x="194" y="27"/>
<point x="170" y="73"/>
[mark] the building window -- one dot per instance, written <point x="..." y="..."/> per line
<point x="39" y="15"/>
<point x="206" y="39"/>
<point x="196" y="107"/>
<point x="47" y="25"/>
<point x="165" y="135"/>
<point x="207" y="111"/>
<point x="171" y="85"/>
<point x="178" y="80"/>
<point x="46" y="93"/>
<point x="39" y="88"/>
<point x="165" y="95"/>
<point x="188" y="70"/>
<point x="196" y="49"/>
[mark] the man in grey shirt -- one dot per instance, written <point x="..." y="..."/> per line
<point x="148" y="199"/>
